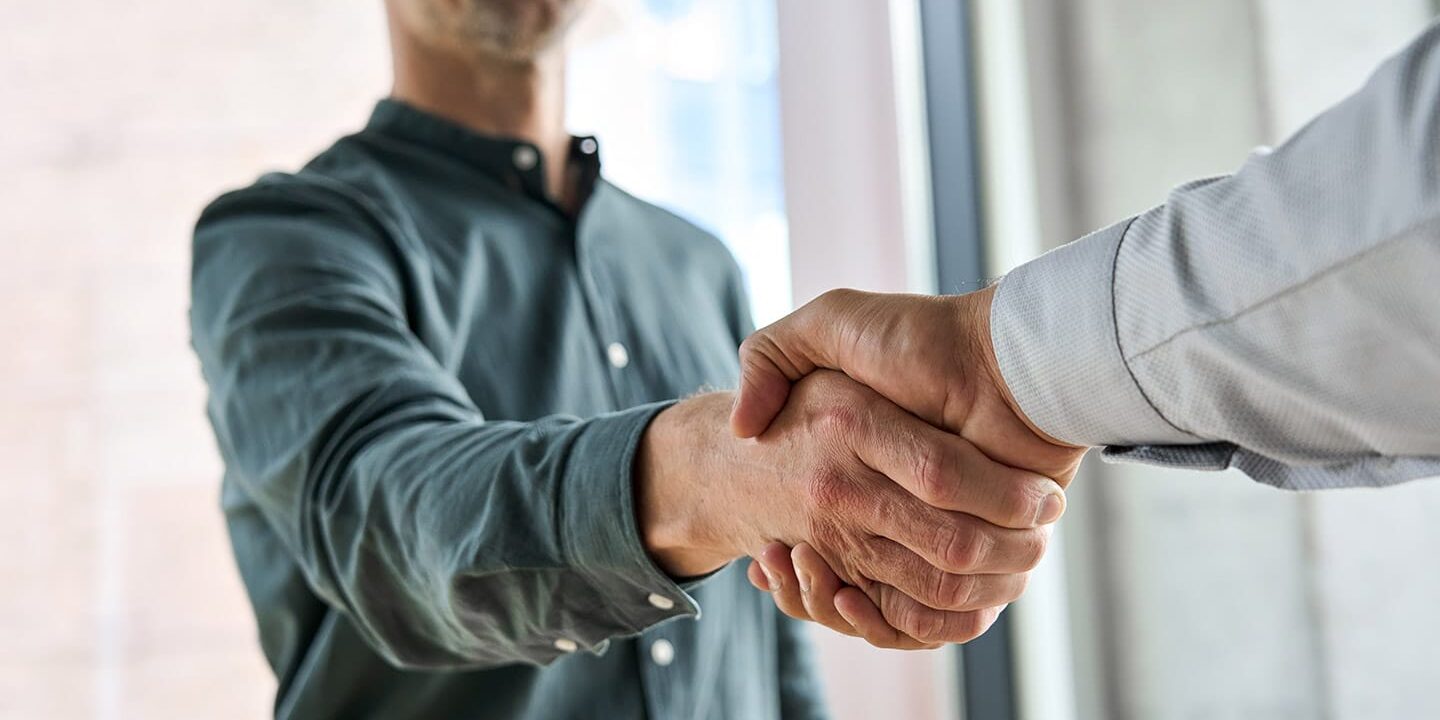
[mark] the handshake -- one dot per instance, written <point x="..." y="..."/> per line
<point x="903" y="499"/>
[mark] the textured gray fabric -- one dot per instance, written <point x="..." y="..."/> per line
<point x="1284" y="320"/>
<point x="1040" y="345"/>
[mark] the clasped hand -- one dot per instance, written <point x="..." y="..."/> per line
<point x="983" y="483"/>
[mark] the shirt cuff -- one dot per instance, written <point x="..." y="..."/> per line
<point x="601" y="536"/>
<point x="1052" y="323"/>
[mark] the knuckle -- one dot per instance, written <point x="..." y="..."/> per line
<point x="971" y="625"/>
<point x="932" y="475"/>
<point x="827" y="299"/>
<point x="762" y="351"/>
<point x="961" y="547"/>
<point x="828" y="489"/>
<point x="836" y="297"/>
<point x="1020" y="504"/>
<point x="923" y="624"/>
<point x="753" y="345"/>
<point x="1034" y="549"/>
<point x="838" y="419"/>
<point x="954" y="592"/>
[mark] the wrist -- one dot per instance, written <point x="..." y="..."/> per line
<point x="675" y="461"/>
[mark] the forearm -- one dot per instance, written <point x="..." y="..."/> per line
<point x="675" y="461"/>
<point x="696" y="488"/>
<point x="455" y="542"/>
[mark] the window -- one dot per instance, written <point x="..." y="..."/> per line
<point x="683" y="95"/>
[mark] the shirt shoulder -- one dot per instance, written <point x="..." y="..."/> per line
<point x="301" y="224"/>
<point x="683" y="249"/>
<point x="669" y="233"/>
<point x="319" y="187"/>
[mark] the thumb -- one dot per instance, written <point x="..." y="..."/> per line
<point x="765" y="376"/>
<point x="778" y="355"/>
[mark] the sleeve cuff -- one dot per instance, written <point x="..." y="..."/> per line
<point x="1052" y="324"/>
<point x="600" y="534"/>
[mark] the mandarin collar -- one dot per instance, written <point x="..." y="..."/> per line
<point x="514" y="163"/>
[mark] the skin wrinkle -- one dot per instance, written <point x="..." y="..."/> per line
<point x="864" y="582"/>
<point x="930" y="476"/>
<point x="953" y="591"/>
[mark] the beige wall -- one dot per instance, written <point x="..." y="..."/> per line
<point x="119" y="595"/>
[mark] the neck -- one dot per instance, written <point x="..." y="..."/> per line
<point x="524" y="100"/>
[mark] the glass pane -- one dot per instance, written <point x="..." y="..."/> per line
<point x="683" y="95"/>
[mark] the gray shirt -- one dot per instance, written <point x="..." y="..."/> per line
<point x="1284" y="320"/>
<point x="428" y="383"/>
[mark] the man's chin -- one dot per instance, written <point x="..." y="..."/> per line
<point x="516" y="34"/>
<point x="515" y="49"/>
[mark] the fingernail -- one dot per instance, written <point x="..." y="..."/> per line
<point x="1050" y="509"/>
<point x="804" y="579"/>
<point x="770" y="577"/>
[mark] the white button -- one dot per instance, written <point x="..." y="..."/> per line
<point x="566" y="645"/>
<point x="525" y="157"/>
<point x="1263" y="150"/>
<point x="660" y="601"/>
<point x="662" y="652"/>
<point x="619" y="356"/>
<point x="588" y="146"/>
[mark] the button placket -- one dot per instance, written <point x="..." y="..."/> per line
<point x="603" y="297"/>
<point x="618" y="355"/>
<point x="662" y="652"/>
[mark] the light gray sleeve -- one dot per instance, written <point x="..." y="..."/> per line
<point x="1284" y="320"/>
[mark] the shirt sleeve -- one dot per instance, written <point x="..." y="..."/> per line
<point x="1284" y="320"/>
<point x="450" y="540"/>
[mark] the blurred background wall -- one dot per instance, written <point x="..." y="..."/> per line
<point x="119" y="598"/>
<point x="1209" y="596"/>
<point x="1186" y="595"/>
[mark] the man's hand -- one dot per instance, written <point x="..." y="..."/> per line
<point x="936" y="534"/>
<point x="930" y="355"/>
<point x="805" y="588"/>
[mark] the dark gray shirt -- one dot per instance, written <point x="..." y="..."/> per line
<point x="428" y="383"/>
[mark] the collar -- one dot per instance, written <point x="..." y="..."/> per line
<point x="517" y="164"/>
